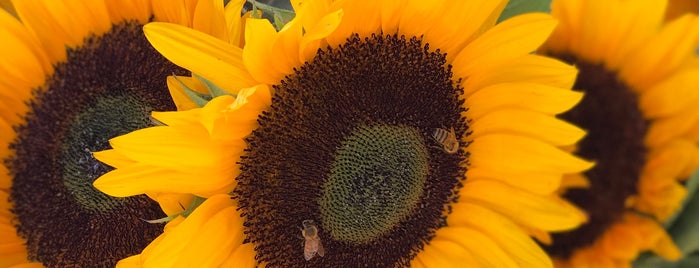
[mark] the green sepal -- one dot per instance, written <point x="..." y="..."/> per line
<point x="196" y="202"/>
<point x="199" y="99"/>
<point x="164" y="219"/>
<point x="214" y="90"/>
<point x="156" y="122"/>
<point x="518" y="7"/>
<point x="280" y="16"/>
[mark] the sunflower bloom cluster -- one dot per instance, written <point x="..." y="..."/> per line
<point x="356" y="121"/>
<point x="344" y="133"/>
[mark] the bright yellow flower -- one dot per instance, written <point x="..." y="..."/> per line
<point x="640" y="82"/>
<point x="75" y="74"/>
<point x="332" y="120"/>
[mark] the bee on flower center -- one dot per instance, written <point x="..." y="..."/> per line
<point x="312" y="245"/>
<point x="446" y="138"/>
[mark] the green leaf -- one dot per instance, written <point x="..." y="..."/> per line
<point x="517" y="7"/>
<point x="691" y="261"/>
<point x="199" y="99"/>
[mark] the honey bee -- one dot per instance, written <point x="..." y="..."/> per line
<point x="447" y="138"/>
<point x="312" y="244"/>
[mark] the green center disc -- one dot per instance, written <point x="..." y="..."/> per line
<point x="376" y="180"/>
<point x="108" y="117"/>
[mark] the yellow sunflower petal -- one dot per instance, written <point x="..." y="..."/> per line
<point x="663" y="54"/>
<point x="452" y="26"/>
<point x="634" y="22"/>
<point x="5" y="205"/>
<point x="527" y="69"/>
<point x="445" y="253"/>
<point x="156" y="144"/>
<point x="130" y="262"/>
<point x="311" y="41"/>
<point x="566" y="34"/>
<point x="503" y="231"/>
<point x="238" y="119"/>
<point x="176" y="241"/>
<point x="113" y="158"/>
<point x="546" y="213"/>
<point x="661" y="202"/>
<point x="668" y="161"/>
<point x="179" y="97"/>
<point x="28" y="265"/>
<point x="213" y="59"/>
<point x="243" y="256"/>
<point x="139" y="179"/>
<point x="478" y="243"/>
<point x="208" y="18"/>
<point x="259" y="37"/>
<point x="24" y="67"/>
<point x="655" y="237"/>
<point x="172" y="203"/>
<point x="234" y="23"/>
<point x="622" y="241"/>
<point x="178" y="119"/>
<point x="575" y="180"/>
<point x="217" y="108"/>
<point x="672" y="95"/>
<point x="530" y="124"/>
<point x="129" y="9"/>
<point x="508" y="40"/>
<point x="536" y="182"/>
<point x="535" y="97"/>
<point x="417" y="262"/>
<point x="591" y="29"/>
<point x="522" y="154"/>
<point x="57" y="25"/>
<point x="179" y="12"/>
<point x="16" y="38"/>
<point x="215" y="241"/>
<point x="664" y="130"/>
<point x="362" y="18"/>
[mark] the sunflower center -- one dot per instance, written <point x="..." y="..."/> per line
<point x="106" y="87"/>
<point x="374" y="183"/>
<point x="91" y="129"/>
<point x="616" y="129"/>
<point x="347" y="144"/>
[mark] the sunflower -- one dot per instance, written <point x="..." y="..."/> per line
<point x="75" y="75"/>
<point x="639" y="110"/>
<point x="397" y="142"/>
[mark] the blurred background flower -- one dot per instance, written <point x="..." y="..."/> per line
<point x="640" y="82"/>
